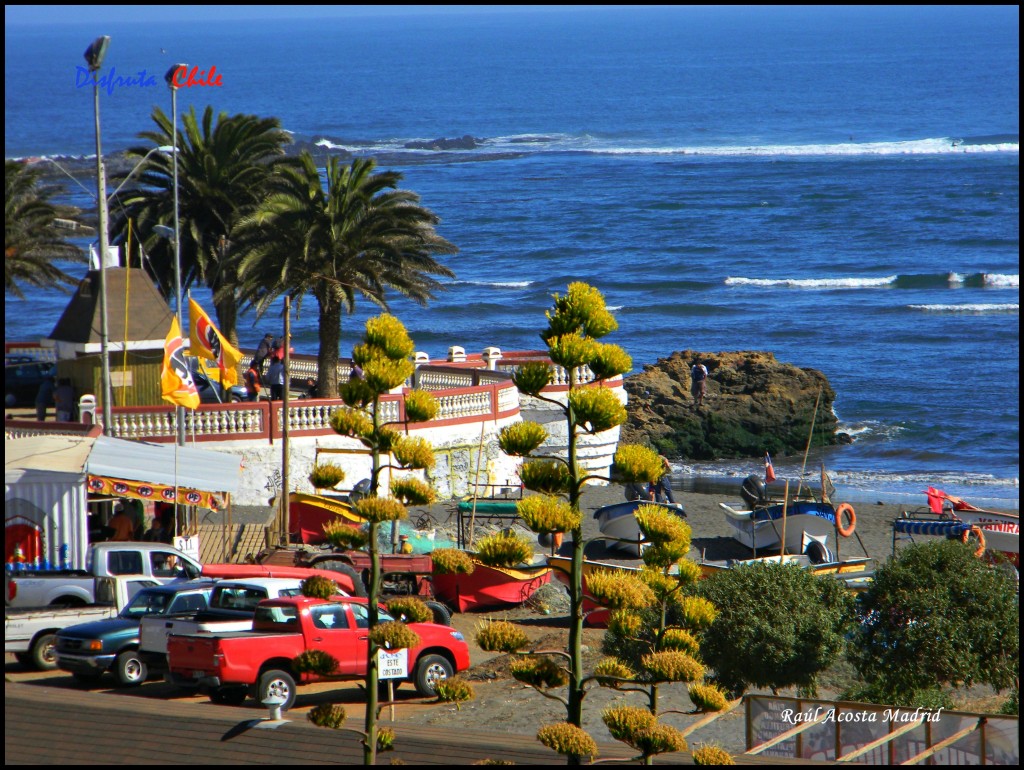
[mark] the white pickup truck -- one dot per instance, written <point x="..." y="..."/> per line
<point x="232" y="607"/>
<point x="39" y="588"/>
<point x="31" y="632"/>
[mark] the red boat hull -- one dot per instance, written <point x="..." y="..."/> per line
<point x="488" y="587"/>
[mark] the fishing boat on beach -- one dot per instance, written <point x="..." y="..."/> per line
<point x="801" y="525"/>
<point x="855" y="573"/>
<point x="620" y="528"/>
<point x="489" y="587"/>
<point x="1002" y="530"/>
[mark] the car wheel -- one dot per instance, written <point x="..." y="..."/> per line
<point x="229" y="696"/>
<point x="130" y="669"/>
<point x="277" y="683"/>
<point x="44" y="652"/>
<point x="441" y="614"/>
<point x="430" y="670"/>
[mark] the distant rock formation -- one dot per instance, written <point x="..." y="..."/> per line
<point x="754" y="404"/>
<point x="465" y="143"/>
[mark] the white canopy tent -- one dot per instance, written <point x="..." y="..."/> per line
<point x="47" y="478"/>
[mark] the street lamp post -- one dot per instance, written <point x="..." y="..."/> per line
<point x="169" y="77"/>
<point x="94" y="58"/>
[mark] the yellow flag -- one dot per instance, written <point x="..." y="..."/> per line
<point x="207" y="342"/>
<point x="176" y="378"/>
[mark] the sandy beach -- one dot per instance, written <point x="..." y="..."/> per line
<point x="502" y="704"/>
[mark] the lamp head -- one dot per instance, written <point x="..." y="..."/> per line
<point x="96" y="51"/>
<point x="169" y="77"/>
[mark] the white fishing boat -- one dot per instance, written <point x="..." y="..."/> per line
<point x="620" y="528"/>
<point x="806" y="522"/>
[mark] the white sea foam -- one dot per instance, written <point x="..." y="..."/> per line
<point x="496" y="284"/>
<point x="1002" y="281"/>
<point x="814" y="283"/>
<point x="969" y="308"/>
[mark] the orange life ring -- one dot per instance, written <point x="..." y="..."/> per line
<point x="847" y="530"/>
<point x="979" y="533"/>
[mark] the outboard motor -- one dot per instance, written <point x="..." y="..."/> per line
<point x="754" y="492"/>
<point x="359" y="491"/>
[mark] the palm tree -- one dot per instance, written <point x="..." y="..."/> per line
<point x="32" y="237"/>
<point x="222" y="172"/>
<point x="360" y="236"/>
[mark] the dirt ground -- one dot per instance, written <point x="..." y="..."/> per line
<point x="503" y="704"/>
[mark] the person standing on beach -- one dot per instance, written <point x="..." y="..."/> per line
<point x="663" y="486"/>
<point x="44" y="398"/>
<point x="698" y="382"/>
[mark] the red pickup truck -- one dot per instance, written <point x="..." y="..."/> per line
<point x="232" y="665"/>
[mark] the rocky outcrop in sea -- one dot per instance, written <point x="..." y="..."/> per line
<point x="754" y="404"/>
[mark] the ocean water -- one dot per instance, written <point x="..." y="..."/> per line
<point x="837" y="186"/>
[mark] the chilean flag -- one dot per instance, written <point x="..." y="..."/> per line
<point x="769" y="471"/>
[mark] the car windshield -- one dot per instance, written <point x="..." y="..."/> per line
<point x="147" y="603"/>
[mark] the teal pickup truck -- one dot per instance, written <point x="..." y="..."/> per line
<point x="88" y="650"/>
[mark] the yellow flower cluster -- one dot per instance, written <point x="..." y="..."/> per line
<point x="624" y="721"/>
<point x="386" y="333"/>
<point x="343" y="535"/>
<point x="660" y="526"/>
<point x="619" y="590"/>
<point x="707" y="697"/>
<point x="542" y="673"/>
<point x="455" y="690"/>
<point x="394" y="635"/>
<point x="521" y="438"/>
<point x="413" y="491"/>
<point x="681" y="640"/>
<point x="413" y="452"/>
<point x="351" y="422"/>
<point x="571" y="350"/>
<point x="637" y="463"/>
<point x="712" y="755"/>
<point x="672" y="666"/>
<point x="409" y="609"/>
<point x="326" y="476"/>
<point x="504" y="549"/>
<point x="380" y="509"/>
<point x="450" y="561"/>
<point x="500" y="636"/>
<point x="532" y="377"/>
<point x="610" y="670"/>
<point x="698" y="612"/>
<point x="420" y="406"/>
<point x="596" y="409"/>
<point x="566" y="739"/>
<point x="314" y="662"/>
<point x="327" y="715"/>
<point x="547" y="476"/>
<point x="543" y="513"/>
<point x="319" y="587"/>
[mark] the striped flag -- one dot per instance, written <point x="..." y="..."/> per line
<point x="176" y="378"/>
<point x="769" y="471"/>
<point x="207" y="342"/>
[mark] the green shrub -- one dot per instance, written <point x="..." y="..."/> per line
<point x="409" y="609"/>
<point x="318" y="587"/>
<point x="315" y="662"/>
<point x="777" y="626"/>
<point x="936" y="615"/>
<point x="500" y="636"/>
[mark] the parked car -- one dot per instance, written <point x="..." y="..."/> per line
<point x="31" y="632"/>
<point x="232" y="665"/>
<point x="231" y="608"/>
<point x="90" y="649"/>
<point x="38" y="588"/>
<point x="212" y="392"/>
<point x="22" y="381"/>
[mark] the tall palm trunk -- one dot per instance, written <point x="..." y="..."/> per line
<point x="330" y="344"/>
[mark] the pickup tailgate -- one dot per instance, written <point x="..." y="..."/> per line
<point x="22" y="625"/>
<point x="156" y="631"/>
<point x="230" y="658"/>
